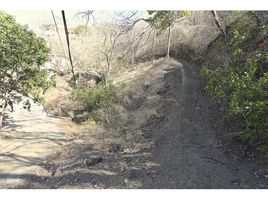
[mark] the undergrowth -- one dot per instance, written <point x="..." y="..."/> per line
<point x="101" y="104"/>
<point x="243" y="84"/>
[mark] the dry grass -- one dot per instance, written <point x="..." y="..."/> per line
<point x="129" y="75"/>
<point x="58" y="99"/>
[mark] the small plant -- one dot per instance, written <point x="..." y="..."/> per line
<point x="264" y="30"/>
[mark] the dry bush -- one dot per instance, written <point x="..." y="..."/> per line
<point x="58" y="100"/>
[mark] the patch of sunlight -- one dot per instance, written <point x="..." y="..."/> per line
<point x="151" y="164"/>
<point x="102" y="172"/>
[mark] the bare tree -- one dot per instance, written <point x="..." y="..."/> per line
<point x="138" y="40"/>
<point x="165" y="20"/>
<point x="217" y="22"/>
<point x="135" y="30"/>
<point x="111" y="35"/>
<point x="86" y="15"/>
<point x="169" y="40"/>
<point x="57" y="29"/>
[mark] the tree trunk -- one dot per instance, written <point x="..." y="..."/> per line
<point x="152" y="50"/>
<point x="133" y="57"/>
<point x="68" y="44"/>
<point x="169" y="40"/>
<point x="1" y="120"/>
<point x="132" y="49"/>
<point x="217" y="22"/>
<point x="107" y="71"/>
<point x="2" y="112"/>
<point x="104" y="82"/>
<point x="135" y="51"/>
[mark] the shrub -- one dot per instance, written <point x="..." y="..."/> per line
<point x="243" y="87"/>
<point x="96" y="97"/>
<point x="244" y="94"/>
<point x="102" y="104"/>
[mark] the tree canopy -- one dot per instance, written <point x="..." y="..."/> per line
<point x="161" y="20"/>
<point x="21" y="55"/>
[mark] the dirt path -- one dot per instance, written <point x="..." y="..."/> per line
<point x="25" y="143"/>
<point x="187" y="151"/>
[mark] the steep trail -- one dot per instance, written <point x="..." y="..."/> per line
<point x="187" y="151"/>
<point x="26" y="142"/>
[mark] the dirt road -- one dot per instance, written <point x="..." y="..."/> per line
<point x="25" y="143"/>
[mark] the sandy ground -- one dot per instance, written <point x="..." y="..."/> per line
<point x="25" y="143"/>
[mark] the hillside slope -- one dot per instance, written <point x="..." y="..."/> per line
<point x="171" y="141"/>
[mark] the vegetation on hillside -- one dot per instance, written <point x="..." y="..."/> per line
<point x="236" y="60"/>
<point x="243" y="83"/>
<point x="235" y="71"/>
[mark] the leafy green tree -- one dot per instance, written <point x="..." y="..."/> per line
<point x="21" y="55"/>
<point x="165" y="20"/>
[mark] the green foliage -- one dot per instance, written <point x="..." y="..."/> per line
<point x="161" y="20"/>
<point x="263" y="148"/>
<point x="237" y="40"/>
<point x="21" y="55"/>
<point x="96" y="97"/>
<point x="264" y="29"/>
<point x="102" y="105"/>
<point x="244" y="86"/>
<point x="245" y="94"/>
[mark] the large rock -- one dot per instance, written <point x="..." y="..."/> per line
<point x="88" y="79"/>
<point x="92" y="160"/>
